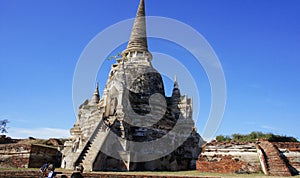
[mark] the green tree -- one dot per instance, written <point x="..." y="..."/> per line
<point x="222" y="138"/>
<point x="253" y="136"/>
<point x="237" y="137"/>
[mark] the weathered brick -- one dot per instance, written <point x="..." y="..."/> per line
<point x="25" y="155"/>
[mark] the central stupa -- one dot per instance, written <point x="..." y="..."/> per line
<point x="134" y="126"/>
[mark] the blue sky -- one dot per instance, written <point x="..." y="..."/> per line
<point x="257" y="42"/>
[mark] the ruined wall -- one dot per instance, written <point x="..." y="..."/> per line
<point x="229" y="158"/>
<point x="14" y="155"/>
<point x="25" y="155"/>
<point x="220" y="164"/>
<point x="40" y="153"/>
<point x="277" y="158"/>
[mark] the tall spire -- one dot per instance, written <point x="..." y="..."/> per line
<point x="138" y="38"/>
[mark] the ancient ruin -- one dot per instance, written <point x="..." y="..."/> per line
<point x="271" y="158"/>
<point x="28" y="153"/>
<point x="134" y="126"/>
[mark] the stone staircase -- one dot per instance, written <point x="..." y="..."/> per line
<point x="275" y="164"/>
<point x="92" y="153"/>
<point x="92" y="148"/>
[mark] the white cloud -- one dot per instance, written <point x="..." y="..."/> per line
<point x="270" y="128"/>
<point x="43" y="133"/>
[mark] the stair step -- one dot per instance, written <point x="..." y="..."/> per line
<point x="275" y="164"/>
<point x="92" y="147"/>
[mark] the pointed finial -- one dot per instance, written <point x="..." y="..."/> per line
<point x="97" y="89"/>
<point x="96" y="96"/>
<point x="175" y="82"/>
<point x="176" y="91"/>
<point x="138" y="38"/>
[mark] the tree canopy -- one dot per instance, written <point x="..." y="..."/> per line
<point x="255" y="135"/>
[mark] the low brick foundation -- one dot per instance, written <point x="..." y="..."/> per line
<point x="273" y="158"/>
<point x="229" y="158"/>
<point x="221" y="164"/>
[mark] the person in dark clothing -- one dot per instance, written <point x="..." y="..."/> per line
<point x="43" y="170"/>
<point x="78" y="172"/>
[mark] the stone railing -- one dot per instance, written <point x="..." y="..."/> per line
<point x="262" y="159"/>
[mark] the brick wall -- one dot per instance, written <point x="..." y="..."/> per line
<point x="224" y="164"/>
<point x="229" y="157"/>
<point x="25" y="155"/>
<point x="14" y="155"/>
<point x="234" y="157"/>
<point x="291" y="146"/>
<point x="39" y="154"/>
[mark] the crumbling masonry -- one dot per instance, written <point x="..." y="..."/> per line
<point x="132" y="126"/>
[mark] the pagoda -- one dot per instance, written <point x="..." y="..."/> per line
<point x="134" y="126"/>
